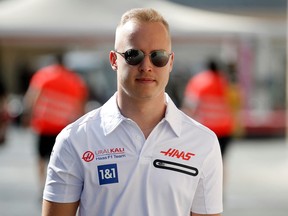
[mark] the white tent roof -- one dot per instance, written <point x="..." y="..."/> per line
<point x="37" y="18"/>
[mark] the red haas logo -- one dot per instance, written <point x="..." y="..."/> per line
<point x="179" y="154"/>
<point x="88" y="156"/>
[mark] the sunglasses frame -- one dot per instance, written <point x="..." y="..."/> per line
<point x="151" y="59"/>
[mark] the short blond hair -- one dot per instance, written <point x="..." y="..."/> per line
<point x="143" y="15"/>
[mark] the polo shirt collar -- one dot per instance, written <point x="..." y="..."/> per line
<point x="111" y="116"/>
<point x="173" y="116"/>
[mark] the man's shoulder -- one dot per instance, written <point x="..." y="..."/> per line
<point x="90" y="118"/>
<point x="191" y="124"/>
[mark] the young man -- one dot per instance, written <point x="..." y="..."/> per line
<point x="137" y="154"/>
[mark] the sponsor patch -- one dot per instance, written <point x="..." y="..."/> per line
<point x="108" y="174"/>
<point x="178" y="154"/>
<point x="111" y="153"/>
<point x="88" y="156"/>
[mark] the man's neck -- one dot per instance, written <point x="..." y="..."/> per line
<point x="147" y="113"/>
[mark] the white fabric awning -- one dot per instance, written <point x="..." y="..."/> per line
<point x="36" y="18"/>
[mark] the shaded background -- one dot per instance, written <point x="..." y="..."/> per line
<point x="247" y="37"/>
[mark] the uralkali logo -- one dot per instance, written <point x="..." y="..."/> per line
<point x="178" y="154"/>
<point x="110" y="153"/>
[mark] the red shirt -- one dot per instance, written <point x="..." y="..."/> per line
<point x="62" y="94"/>
<point x="208" y="91"/>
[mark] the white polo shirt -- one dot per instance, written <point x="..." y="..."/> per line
<point x="104" y="160"/>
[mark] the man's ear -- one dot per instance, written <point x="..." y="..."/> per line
<point x="172" y="62"/>
<point x="113" y="60"/>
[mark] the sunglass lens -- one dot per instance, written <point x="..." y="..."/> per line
<point x="134" y="57"/>
<point x="159" y="58"/>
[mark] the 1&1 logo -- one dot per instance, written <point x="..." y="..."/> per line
<point x="108" y="174"/>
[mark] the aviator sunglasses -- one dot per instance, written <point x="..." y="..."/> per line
<point x="159" y="58"/>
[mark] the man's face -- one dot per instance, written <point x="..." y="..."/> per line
<point x="145" y="80"/>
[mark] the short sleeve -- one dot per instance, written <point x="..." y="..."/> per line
<point x="208" y="195"/>
<point x="64" y="178"/>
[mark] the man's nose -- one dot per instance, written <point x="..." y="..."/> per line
<point x="146" y="64"/>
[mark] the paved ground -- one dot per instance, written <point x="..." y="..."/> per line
<point x="256" y="177"/>
<point x="19" y="194"/>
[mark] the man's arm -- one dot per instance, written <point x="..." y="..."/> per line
<point x="29" y="100"/>
<point x="59" y="209"/>
<point x="194" y="214"/>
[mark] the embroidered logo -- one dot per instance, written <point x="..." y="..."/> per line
<point x="88" y="156"/>
<point x="111" y="153"/>
<point x="178" y="154"/>
<point x="108" y="174"/>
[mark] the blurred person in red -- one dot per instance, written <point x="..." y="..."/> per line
<point x="206" y="99"/>
<point x="56" y="97"/>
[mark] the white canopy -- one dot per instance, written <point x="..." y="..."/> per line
<point x="37" y="18"/>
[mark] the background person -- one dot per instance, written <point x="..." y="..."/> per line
<point x="136" y="154"/>
<point x="207" y="100"/>
<point x="56" y="97"/>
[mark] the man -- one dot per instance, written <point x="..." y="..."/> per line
<point x="56" y="97"/>
<point x="138" y="154"/>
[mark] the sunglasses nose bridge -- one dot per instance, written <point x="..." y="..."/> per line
<point x="146" y="63"/>
<point x="146" y="58"/>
